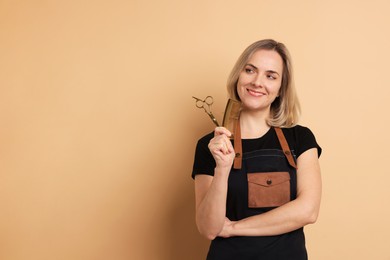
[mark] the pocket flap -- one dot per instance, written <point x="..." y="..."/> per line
<point x="268" y="179"/>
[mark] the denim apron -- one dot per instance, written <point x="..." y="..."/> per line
<point x="289" y="246"/>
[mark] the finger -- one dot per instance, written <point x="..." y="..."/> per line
<point x="222" y="131"/>
<point x="228" y="144"/>
<point x="223" y="141"/>
<point x="222" y="147"/>
<point x="219" y="145"/>
<point x="226" y="147"/>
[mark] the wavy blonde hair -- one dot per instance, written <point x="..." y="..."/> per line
<point x="285" y="110"/>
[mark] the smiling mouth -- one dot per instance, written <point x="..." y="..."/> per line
<point x="255" y="93"/>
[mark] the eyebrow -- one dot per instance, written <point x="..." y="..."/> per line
<point x="270" y="71"/>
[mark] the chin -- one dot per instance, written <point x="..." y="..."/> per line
<point x="256" y="107"/>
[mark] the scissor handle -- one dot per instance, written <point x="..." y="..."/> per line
<point x="209" y="100"/>
<point x="198" y="102"/>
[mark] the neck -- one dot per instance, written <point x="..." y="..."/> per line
<point x="253" y="124"/>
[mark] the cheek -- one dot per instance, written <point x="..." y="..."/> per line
<point x="238" y="92"/>
<point x="276" y="88"/>
<point x="276" y="92"/>
<point x="244" y="79"/>
<point x="240" y="87"/>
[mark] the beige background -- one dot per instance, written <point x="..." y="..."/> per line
<point x="98" y="128"/>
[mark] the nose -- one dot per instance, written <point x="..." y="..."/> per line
<point x="257" y="81"/>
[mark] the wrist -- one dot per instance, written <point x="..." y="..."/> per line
<point x="232" y="229"/>
<point x="229" y="229"/>
<point x="222" y="169"/>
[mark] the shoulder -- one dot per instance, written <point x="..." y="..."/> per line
<point x="206" y="138"/>
<point x="204" y="141"/>
<point x="297" y="129"/>
<point x="298" y="132"/>
<point x="301" y="138"/>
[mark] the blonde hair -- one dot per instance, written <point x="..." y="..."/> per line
<point x="285" y="110"/>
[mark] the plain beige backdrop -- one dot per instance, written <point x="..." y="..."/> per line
<point x="98" y="127"/>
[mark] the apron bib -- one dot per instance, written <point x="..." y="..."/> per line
<point x="259" y="181"/>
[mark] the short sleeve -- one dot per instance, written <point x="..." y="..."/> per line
<point x="204" y="162"/>
<point x="305" y="140"/>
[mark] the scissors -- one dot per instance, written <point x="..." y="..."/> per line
<point x="206" y="105"/>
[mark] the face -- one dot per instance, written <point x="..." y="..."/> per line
<point x="259" y="82"/>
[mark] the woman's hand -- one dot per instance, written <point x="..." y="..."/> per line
<point x="221" y="148"/>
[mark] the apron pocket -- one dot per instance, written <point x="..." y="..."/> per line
<point x="268" y="189"/>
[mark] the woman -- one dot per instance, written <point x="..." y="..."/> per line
<point x="244" y="210"/>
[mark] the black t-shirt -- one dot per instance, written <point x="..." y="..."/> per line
<point x="299" y="138"/>
<point x="286" y="246"/>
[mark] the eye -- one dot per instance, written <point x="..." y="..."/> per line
<point x="249" y="70"/>
<point x="271" y="76"/>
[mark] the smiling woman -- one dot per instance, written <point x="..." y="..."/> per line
<point x="259" y="83"/>
<point x="276" y="64"/>
<point x="257" y="209"/>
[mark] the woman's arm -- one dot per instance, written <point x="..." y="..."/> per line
<point x="292" y="215"/>
<point x="211" y="192"/>
<point x="210" y="197"/>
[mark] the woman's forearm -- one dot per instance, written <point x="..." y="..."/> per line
<point x="284" y="219"/>
<point x="211" y="210"/>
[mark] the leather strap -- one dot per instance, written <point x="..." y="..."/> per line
<point x="237" y="145"/>
<point x="285" y="147"/>
<point x="237" y="164"/>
